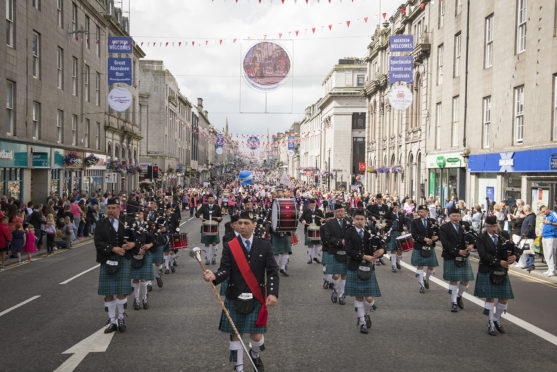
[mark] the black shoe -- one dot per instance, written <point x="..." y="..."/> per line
<point x="213" y="261"/>
<point x="368" y="321"/>
<point x="174" y="264"/>
<point x="112" y="327"/>
<point x="121" y="326"/>
<point x="398" y="265"/>
<point x="149" y="288"/>
<point x="454" y="308"/>
<point x="173" y="269"/>
<point x="257" y="362"/>
<point x="499" y="327"/>
<point x="341" y="300"/>
<point x="325" y="284"/>
<point x="159" y="282"/>
<point x="491" y="329"/>
<point x="309" y="261"/>
<point x="283" y="272"/>
<point x="167" y="271"/>
<point x="422" y="289"/>
<point x="317" y="260"/>
<point x="363" y="329"/>
<point x="426" y="283"/>
<point x="145" y="304"/>
<point x="331" y="285"/>
<point x="381" y="261"/>
<point x="136" y="305"/>
<point x="530" y="268"/>
<point x="459" y="302"/>
<point x="334" y="296"/>
<point x="393" y="270"/>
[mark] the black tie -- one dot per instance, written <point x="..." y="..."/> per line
<point x="340" y="223"/>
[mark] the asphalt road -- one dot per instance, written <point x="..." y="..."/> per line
<point x="306" y="332"/>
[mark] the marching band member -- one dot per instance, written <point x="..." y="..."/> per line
<point x="247" y="296"/>
<point x="327" y="278"/>
<point x="361" y="282"/>
<point x="312" y="216"/>
<point x="282" y="247"/>
<point x="334" y="234"/>
<point x="456" y="266"/>
<point x="144" y="270"/>
<point x="398" y="226"/>
<point x="424" y="247"/>
<point x="210" y="211"/>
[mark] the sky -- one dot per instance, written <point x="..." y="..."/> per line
<point x="203" y="67"/>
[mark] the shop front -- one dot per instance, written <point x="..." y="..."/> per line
<point x="529" y="175"/>
<point x="73" y="171"/>
<point x="95" y="169"/>
<point x="41" y="162"/>
<point x="447" y="176"/>
<point x="13" y="161"/>
<point x="57" y="171"/>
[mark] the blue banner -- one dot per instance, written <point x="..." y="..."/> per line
<point x="118" y="44"/>
<point x="220" y="140"/>
<point x="400" y="69"/>
<point x="119" y="70"/>
<point x="544" y="160"/>
<point x="290" y="142"/>
<point x="401" y="43"/>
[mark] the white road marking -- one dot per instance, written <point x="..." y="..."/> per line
<point x="19" y="305"/>
<point x="186" y="221"/>
<point x="96" y="343"/>
<point x="78" y="275"/>
<point x="511" y="318"/>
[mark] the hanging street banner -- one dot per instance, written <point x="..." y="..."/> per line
<point x="266" y="65"/>
<point x="119" y="70"/>
<point x="401" y="43"/>
<point x="400" y="69"/>
<point x="120" y="99"/>
<point x="400" y="97"/>
<point x="119" y="44"/>
<point x="220" y="143"/>
<point x="291" y="140"/>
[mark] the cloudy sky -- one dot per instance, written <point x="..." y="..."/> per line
<point x="206" y="68"/>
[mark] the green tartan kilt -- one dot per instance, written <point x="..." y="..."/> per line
<point x="452" y="273"/>
<point x="245" y="323"/>
<point x="391" y="246"/>
<point x="158" y="257"/>
<point x="210" y="239"/>
<point x="116" y="284"/>
<point x="361" y="288"/>
<point x="223" y="287"/>
<point x="281" y="244"/>
<point x="418" y="260"/>
<point x="166" y="247"/>
<point x="335" y="267"/>
<point x="326" y="258"/>
<point x="485" y="289"/>
<point x="145" y="272"/>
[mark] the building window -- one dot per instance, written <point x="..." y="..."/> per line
<point x="74" y="130"/>
<point x="59" y="126"/>
<point x="457" y="54"/>
<point x="74" y="17"/>
<point x="358" y="120"/>
<point x="74" y="76"/>
<point x="98" y="136"/>
<point x="10" y="23"/>
<point x="98" y="41"/>
<point x="36" y="55"/>
<point x="454" y="129"/>
<point x="86" y="132"/>
<point x="519" y="114"/>
<point x="521" y="26"/>
<point x="457" y="7"/>
<point x="60" y="13"/>
<point x="88" y="31"/>
<point x="98" y="89"/>
<point x="36" y="120"/>
<point x="441" y="15"/>
<point x="86" y="91"/>
<point x="486" y="122"/>
<point x="36" y="4"/>
<point x="488" y="54"/>
<point x="440" y="49"/>
<point x="438" y="114"/>
<point x="361" y="80"/>
<point x="10" y="108"/>
<point x="60" y="68"/>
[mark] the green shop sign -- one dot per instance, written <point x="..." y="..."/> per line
<point x="40" y="158"/>
<point x="13" y="155"/>
<point x="441" y="161"/>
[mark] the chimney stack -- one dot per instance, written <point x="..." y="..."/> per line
<point x="200" y="103"/>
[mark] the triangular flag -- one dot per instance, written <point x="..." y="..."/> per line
<point x="234" y="40"/>
<point x="220" y="42"/>
<point x="348" y="23"/>
<point x="330" y="27"/>
<point x="280" y="35"/>
<point x="403" y="10"/>
<point x="193" y="43"/>
<point x="179" y="43"/>
<point x="422" y="5"/>
<point x="297" y="32"/>
<point x="365" y="19"/>
<point x="313" y="29"/>
<point x="384" y="15"/>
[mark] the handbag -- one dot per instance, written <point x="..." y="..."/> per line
<point x="497" y="276"/>
<point x="425" y="252"/>
<point x="364" y="272"/>
<point x="340" y="256"/>
<point x="460" y="261"/>
<point x="245" y="303"/>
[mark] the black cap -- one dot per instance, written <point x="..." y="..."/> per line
<point x="359" y="212"/>
<point x="311" y="201"/>
<point x="112" y="201"/>
<point x="339" y="206"/>
<point x="210" y="196"/>
<point x="246" y="215"/>
<point x="422" y="207"/>
<point x="329" y="215"/>
<point x="454" y="210"/>
<point x="234" y="218"/>
<point x="491" y="220"/>
<point x="378" y="196"/>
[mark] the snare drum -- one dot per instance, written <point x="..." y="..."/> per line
<point x="210" y="228"/>
<point x="284" y="217"/>
<point x="314" y="233"/>
<point x="179" y="241"/>
<point x="405" y="242"/>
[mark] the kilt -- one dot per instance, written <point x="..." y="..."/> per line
<point x="452" y="273"/>
<point x="245" y="323"/>
<point x="210" y="239"/>
<point x="418" y="260"/>
<point x="116" y="284"/>
<point x="158" y="257"/>
<point x="145" y="272"/>
<point x="391" y="246"/>
<point x="326" y="258"/>
<point x="361" y="288"/>
<point x="281" y="244"/>
<point x="485" y="289"/>
<point x="223" y="287"/>
<point x="335" y="267"/>
<point x="308" y="242"/>
<point x="166" y="247"/>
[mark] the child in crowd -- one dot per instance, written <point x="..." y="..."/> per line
<point x="18" y="240"/>
<point x="30" y="242"/>
<point x="50" y="230"/>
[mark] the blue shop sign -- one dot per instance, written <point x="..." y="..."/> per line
<point x="543" y="160"/>
<point x="13" y="155"/>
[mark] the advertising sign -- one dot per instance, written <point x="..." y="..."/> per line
<point x="400" y="97"/>
<point x="266" y="65"/>
<point x="120" y="99"/>
<point x="290" y="142"/>
<point x="400" y="69"/>
<point x="119" y="70"/>
<point x="118" y="44"/>
<point x="401" y="43"/>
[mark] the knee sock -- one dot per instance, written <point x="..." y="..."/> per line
<point x="157" y="271"/>
<point x="310" y="253"/>
<point x="420" y="276"/>
<point x="237" y="355"/>
<point x="488" y="310"/>
<point x="167" y="262"/>
<point x="172" y="258"/>
<point x="398" y="258"/>
<point x="207" y="251"/>
<point x="461" y="289"/>
<point x="316" y="251"/>
<point x="284" y="261"/>
<point x="277" y="258"/>
<point x="213" y="252"/>
<point x="257" y="346"/>
<point x="143" y="290"/>
<point x="110" y="307"/>
<point x="360" y="310"/>
<point x="368" y="305"/>
<point x="330" y="278"/>
<point x="500" y="310"/>
<point x="453" y="292"/>
<point x="428" y="274"/>
<point x="121" y="304"/>
<point x="342" y="284"/>
<point x="393" y="260"/>
<point x="136" y="291"/>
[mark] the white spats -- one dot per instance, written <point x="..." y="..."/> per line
<point x="428" y="274"/>
<point x="111" y="307"/>
<point x="393" y="260"/>
<point x="360" y="310"/>
<point x="420" y="276"/>
<point x="120" y="302"/>
<point x="342" y="285"/>
<point x="501" y="308"/>
<point x="256" y="346"/>
<point x="237" y="353"/>
<point x="453" y="292"/>
<point x="135" y="290"/>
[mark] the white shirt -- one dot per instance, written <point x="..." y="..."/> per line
<point x="115" y="223"/>
<point x="244" y="240"/>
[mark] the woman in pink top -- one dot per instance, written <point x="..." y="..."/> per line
<point x="30" y="246"/>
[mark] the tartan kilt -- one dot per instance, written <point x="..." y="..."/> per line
<point x="210" y="239"/>
<point x="335" y="267"/>
<point x="485" y="289"/>
<point x="391" y="246"/>
<point x="223" y="287"/>
<point x="158" y="257"/>
<point x="166" y="247"/>
<point x="418" y="260"/>
<point x="452" y="273"/>
<point x="145" y="272"/>
<point x="307" y="242"/>
<point x="245" y="323"/>
<point x="361" y="288"/>
<point x="116" y="284"/>
<point x="326" y="258"/>
<point x="281" y="244"/>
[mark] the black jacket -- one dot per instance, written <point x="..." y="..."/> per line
<point x="334" y="235"/>
<point x="356" y="248"/>
<point x="262" y="263"/>
<point x="528" y="229"/>
<point x="107" y="238"/>
<point x="378" y="212"/>
<point x="324" y="243"/>
<point x="308" y="217"/>
<point x="397" y="221"/>
<point x="204" y="211"/>
<point x="490" y="255"/>
<point x="419" y="233"/>
<point x="451" y="240"/>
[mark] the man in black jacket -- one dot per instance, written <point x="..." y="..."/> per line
<point x="378" y="211"/>
<point x="327" y="278"/>
<point x="398" y="225"/>
<point x="312" y="216"/>
<point x="528" y="235"/>
<point x="210" y="211"/>
<point x="424" y="247"/>
<point x="334" y="235"/>
<point x="259" y="255"/>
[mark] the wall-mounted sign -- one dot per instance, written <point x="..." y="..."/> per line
<point x="119" y="44"/>
<point x="119" y="70"/>
<point x="401" y="43"/>
<point x="400" y="97"/>
<point x="120" y="99"/>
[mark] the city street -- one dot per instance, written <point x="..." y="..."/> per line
<point x="306" y="331"/>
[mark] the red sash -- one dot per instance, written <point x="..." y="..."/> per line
<point x="250" y="280"/>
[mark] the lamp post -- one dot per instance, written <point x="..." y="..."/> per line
<point x="329" y="171"/>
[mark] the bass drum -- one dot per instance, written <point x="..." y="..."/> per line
<point x="284" y="217"/>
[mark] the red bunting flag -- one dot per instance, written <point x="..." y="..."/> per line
<point x="166" y="43"/>
<point x="234" y="41"/>
<point x="193" y="43"/>
<point x="348" y="23"/>
<point x="179" y="43"/>
<point x="403" y="10"/>
<point x="365" y="19"/>
<point x="220" y="42"/>
<point x="384" y="15"/>
<point x="297" y="32"/>
<point x="280" y="35"/>
<point x="422" y="5"/>
<point x="313" y="29"/>
<point x="330" y="27"/>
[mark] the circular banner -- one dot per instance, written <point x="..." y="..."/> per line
<point x="119" y="99"/>
<point x="400" y="97"/>
<point x="266" y="65"/>
<point x="253" y="143"/>
<point x="219" y="150"/>
<point x="290" y="153"/>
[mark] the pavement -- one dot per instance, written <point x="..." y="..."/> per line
<point x="179" y="332"/>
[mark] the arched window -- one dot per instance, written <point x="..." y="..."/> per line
<point x="411" y="176"/>
<point x="109" y="150"/>
<point x="417" y="103"/>
<point x="116" y="152"/>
